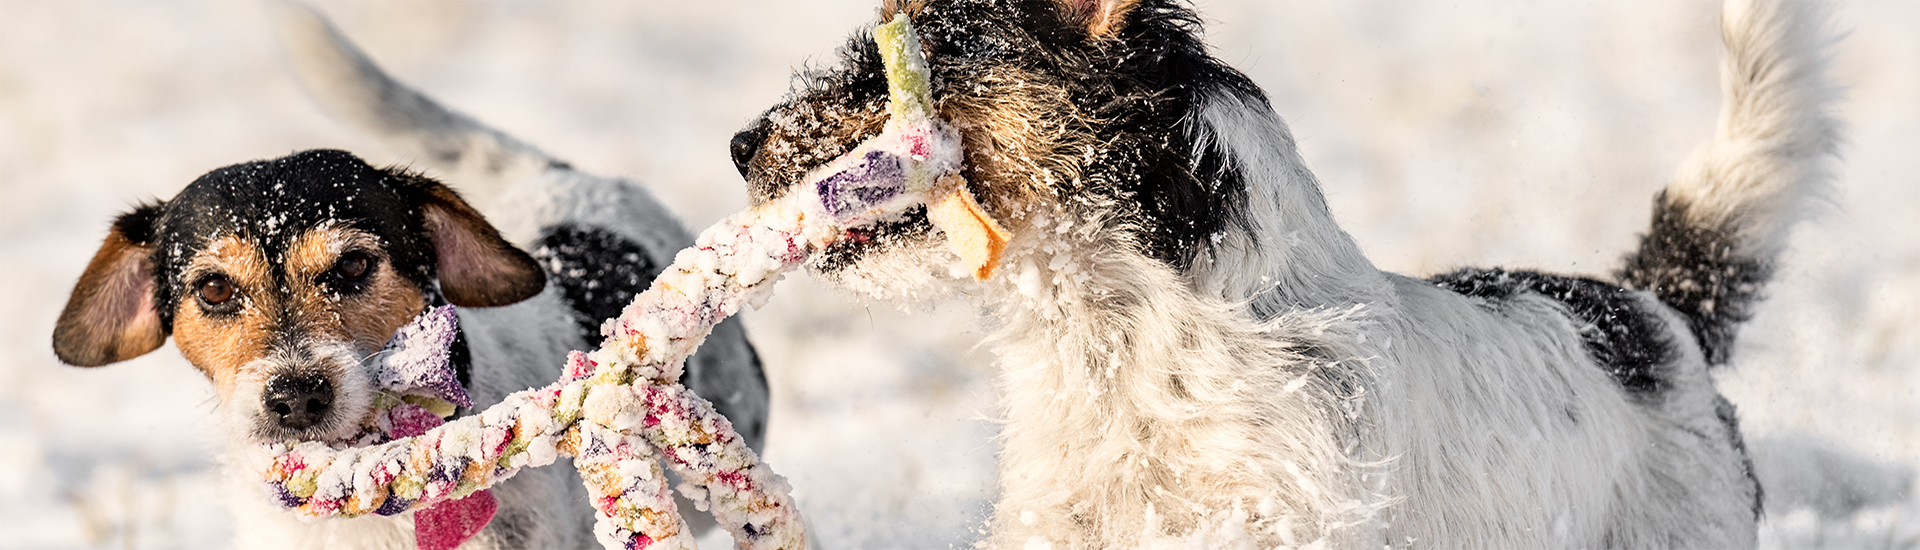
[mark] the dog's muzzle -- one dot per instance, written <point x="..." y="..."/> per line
<point x="297" y="399"/>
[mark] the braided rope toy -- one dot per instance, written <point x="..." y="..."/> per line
<point x="619" y="409"/>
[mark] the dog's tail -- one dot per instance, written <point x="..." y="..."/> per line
<point x="1721" y="222"/>
<point x="351" y="87"/>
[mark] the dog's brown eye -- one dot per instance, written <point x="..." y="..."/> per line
<point x="216" y="290"/>
<point x="353" y="266"/>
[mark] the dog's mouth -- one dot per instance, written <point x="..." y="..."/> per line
<point x="900" y="185"/>
<point x="859" y="243"/>
<point x="319" y="393"/>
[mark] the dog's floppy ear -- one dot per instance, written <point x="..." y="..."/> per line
<point x="1101" y="18"/>
<point x="475" y="266"/>
<point x="110" y="317"/>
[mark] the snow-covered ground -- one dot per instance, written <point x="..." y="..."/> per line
<point x="1447" y="134"/>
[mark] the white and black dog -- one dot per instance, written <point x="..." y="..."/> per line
<point x="1193" y="352"/>
<point x="278" y="279"/>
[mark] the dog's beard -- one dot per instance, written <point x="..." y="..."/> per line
<point x="343" y="368"/>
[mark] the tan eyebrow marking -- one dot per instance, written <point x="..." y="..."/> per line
<point x="364" y="319"/>
<point x="315" y="251"/>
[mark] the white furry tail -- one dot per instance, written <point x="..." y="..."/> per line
<point x="351" y="87"/>
<point x="1721" y="222"/>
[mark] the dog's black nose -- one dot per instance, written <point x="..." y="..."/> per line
<point x="746" y="144"/>
<point x="298" y="400"/>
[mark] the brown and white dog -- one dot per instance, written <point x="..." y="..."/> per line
<point x="1192" y="352"/>
<point x="278" y="279"/>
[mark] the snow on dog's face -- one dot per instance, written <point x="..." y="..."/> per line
<point x="1075" y="111"/>
<point x="277" y="279"/>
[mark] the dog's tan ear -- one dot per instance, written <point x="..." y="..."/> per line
<point x="475" y="266"/>
<point x="110" y="317"/>
<point x="1101" y="18"/>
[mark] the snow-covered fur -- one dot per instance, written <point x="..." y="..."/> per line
<point x="280" y="278"/>
<point x="1193" y="352"/>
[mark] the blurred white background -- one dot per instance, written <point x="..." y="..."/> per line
<point x="1522" y="134"/>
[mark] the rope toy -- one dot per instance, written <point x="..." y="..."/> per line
<point x="621" y="408"/>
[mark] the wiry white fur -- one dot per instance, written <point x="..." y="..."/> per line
<point x="1293" y="255"/>
<point x="1137" y="407"/>
<point x="1501" y="432"/>
<point x="1377" y="410"/>
<point x="1777" y="137"/>
<point x="1474" y="411"/>
<point x="1284" y="392"/>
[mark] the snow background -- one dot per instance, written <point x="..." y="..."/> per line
<point x="1472" y="133"/>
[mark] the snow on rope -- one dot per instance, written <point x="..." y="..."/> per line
<point x="621" y="408"/>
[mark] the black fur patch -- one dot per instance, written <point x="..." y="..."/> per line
<point x="462" y="359"/>
<point x="1696" y="270"/>
<point x="598" y="272"/>
<point x="1147" y="90"/>
<point x="137" y="226"/>
<point x="1630" y="343"/>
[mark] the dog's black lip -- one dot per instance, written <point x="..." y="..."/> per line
<point x="851" y="248"/>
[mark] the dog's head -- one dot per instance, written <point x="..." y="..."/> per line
<point x="1071" y="112"/>
<point x="278" y="278"/>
